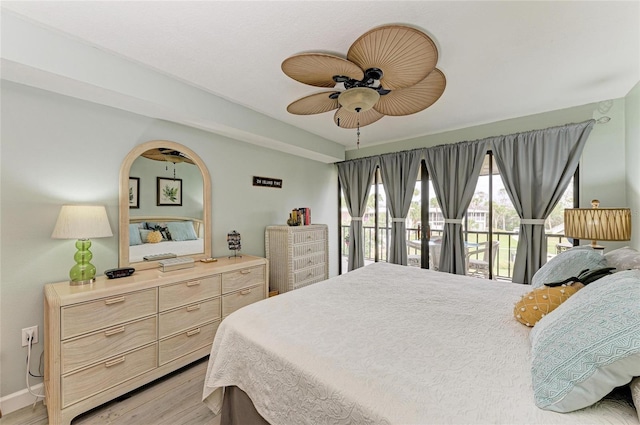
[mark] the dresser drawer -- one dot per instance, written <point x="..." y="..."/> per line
<point x="309" y="261"/>
<point x="187" y="341"/>
<point x="308" y="236"/>
<point x="308" y="282"/>
<point x="188" y="292"/>
<point x="242" y="279"/>
<point x="187" y="317"/>
<point x="109" y="373"/>
<point x="236" y="300"/>
<point x="311" y="273"/>
<point x="107" y="312"/>
<point x="87" y="349"/>
<point x="308" y="249"/>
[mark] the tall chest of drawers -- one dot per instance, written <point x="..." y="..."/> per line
<point x="298" y="255"/>
<point x="106" y="339"/>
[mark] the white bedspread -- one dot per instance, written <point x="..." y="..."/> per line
<point x="388" y="344"/>
<point x="137" y="252"/>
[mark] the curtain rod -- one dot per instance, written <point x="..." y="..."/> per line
<point x="558" y="127"/>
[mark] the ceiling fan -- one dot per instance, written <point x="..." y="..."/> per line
<point x="166" y="154"/>
<point x="389" y="70"/>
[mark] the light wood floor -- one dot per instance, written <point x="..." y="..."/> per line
<point x="172" y="400"/>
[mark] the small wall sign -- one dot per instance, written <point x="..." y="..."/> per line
<point x="267" y="182"/>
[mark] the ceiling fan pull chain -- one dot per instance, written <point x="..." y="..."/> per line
<point x="358" y="133"/>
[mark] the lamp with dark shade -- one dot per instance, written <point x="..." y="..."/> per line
<point x="598" y="224"/>
<point x="82" y="222"/>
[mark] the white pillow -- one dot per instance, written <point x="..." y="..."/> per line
<point x="623" y="258"/>
<point x="568" y="264"/>
<point x="589" y="345"/>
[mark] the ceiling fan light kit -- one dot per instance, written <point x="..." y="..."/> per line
<point x="389" y="70"/>
<point x="358" y="99"/>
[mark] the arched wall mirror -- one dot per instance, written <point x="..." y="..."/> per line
<point x="165" y="204"/>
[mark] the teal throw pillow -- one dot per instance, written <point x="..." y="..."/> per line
<point x="134" y="235"/>
<point x="182" y="230"/>
<point x="589" y="345"/>
<point x="567" y="264"/>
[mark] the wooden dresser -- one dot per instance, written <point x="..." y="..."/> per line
<point x="298" y="255"/>
<point x="106" y="339"/>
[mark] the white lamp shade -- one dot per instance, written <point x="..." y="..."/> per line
<point x="82" y="222"/>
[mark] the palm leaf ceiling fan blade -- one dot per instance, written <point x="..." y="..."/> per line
<point x="162" y="154"/>
<point x="346" y="119"/>
<point x="398" y="62"/>
<point x="318" y="69"/>
<point x="316" y="103"/>
<point x="404" y="54"/>
<point x="413" y="99"/>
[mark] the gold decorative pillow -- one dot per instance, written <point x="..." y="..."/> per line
<point x="540" y="302"/>
<point x="154" y="237"/>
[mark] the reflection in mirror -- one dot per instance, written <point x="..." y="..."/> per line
<point x="164" y="204"/>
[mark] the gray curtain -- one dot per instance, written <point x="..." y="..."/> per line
<point x="399" y="173"/>
<point x="454" y="171"/>
<point x="355" y="178"/>
<point x="536" y="168"/>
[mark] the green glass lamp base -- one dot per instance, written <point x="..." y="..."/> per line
<point x="83" y="273"/>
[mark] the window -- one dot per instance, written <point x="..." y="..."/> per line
<point x="490" y="216"/>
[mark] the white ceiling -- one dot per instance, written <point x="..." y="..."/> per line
<point x="502" y="59"/>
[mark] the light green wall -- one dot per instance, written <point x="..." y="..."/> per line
<point x="632" y="130"/>
<point x="58" y="150"/>
<point x="603" y="174"/>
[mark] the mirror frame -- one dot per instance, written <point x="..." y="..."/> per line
<point x="123" y="254"/>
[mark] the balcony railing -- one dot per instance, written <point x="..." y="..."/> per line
<point x="503" y="266"/>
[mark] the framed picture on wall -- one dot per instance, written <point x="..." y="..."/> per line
<point x="134" y="192"/>
<point x="169" y="192"/>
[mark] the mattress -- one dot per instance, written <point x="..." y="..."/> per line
<point x="388" y="344"/>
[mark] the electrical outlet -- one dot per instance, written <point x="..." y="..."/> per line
<point x="25" y="335"/>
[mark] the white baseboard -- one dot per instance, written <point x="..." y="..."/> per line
<point x="20" y="399"/>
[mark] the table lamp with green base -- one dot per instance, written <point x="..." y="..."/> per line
<point x="82" y="222"/>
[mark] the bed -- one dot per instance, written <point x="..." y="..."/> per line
<point x="180" y="236"/>
<point x="388" y="344"/>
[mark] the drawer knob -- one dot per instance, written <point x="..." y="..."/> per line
<point x="111" y="301"/>
<point x="193" y="332"/>
<point x="115" y="331"/>
<point x="193" y="307"/>
<point x="193" y="283"/>
<point x="245" y="271"/>
<point x="114" y="362"/>
<point x="245" y="292"/>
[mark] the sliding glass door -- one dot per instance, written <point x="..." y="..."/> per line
<point x="490" y="221"/>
